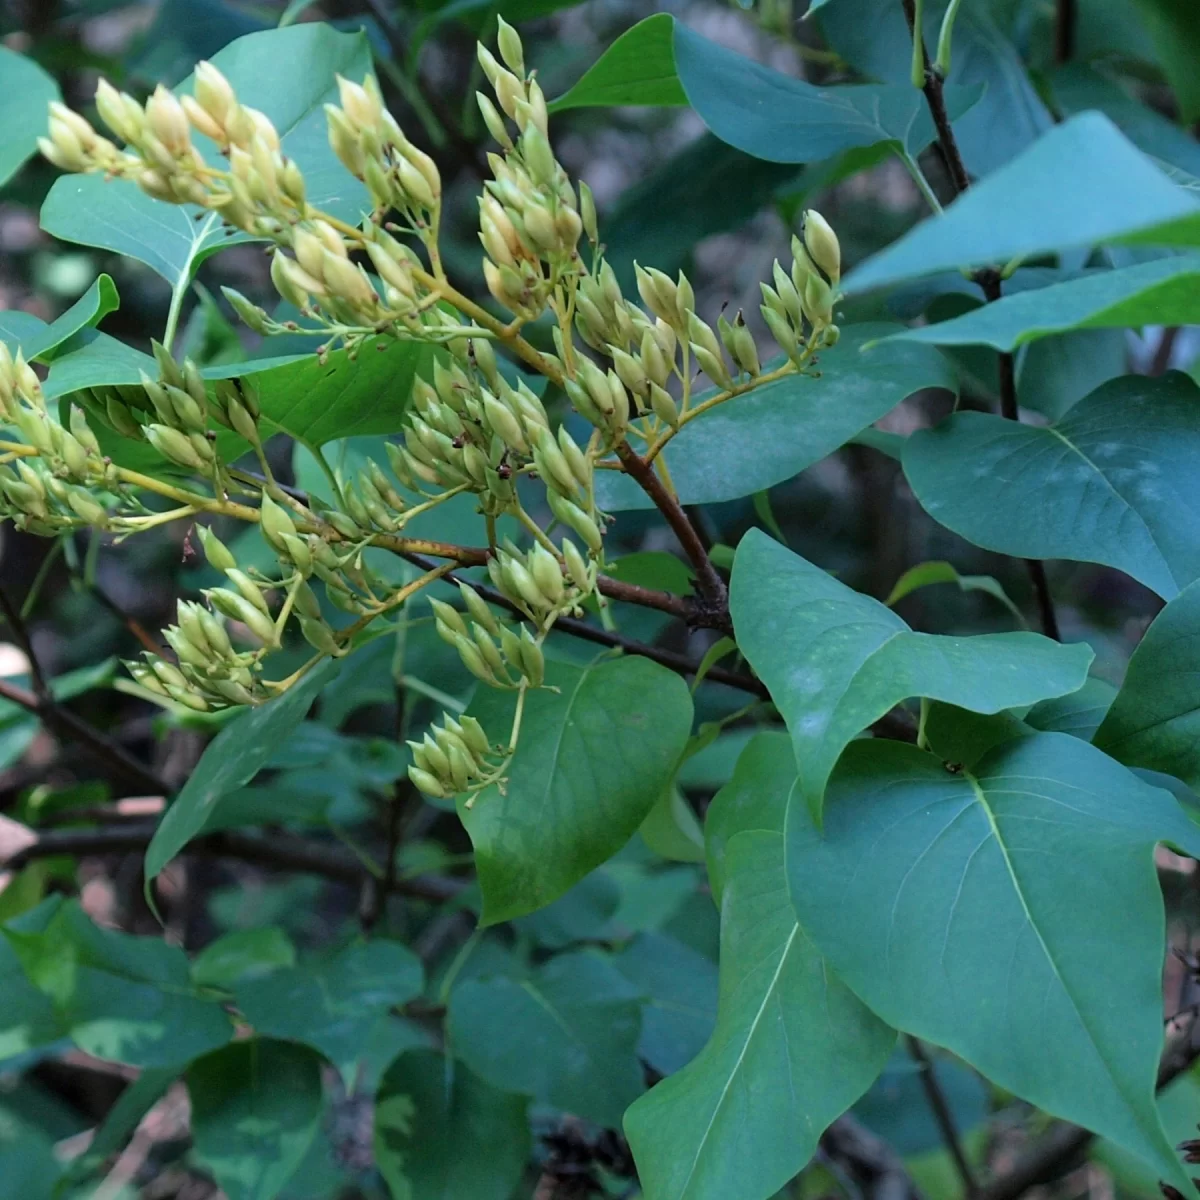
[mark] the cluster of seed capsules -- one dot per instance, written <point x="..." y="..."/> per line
<point x="52" y="489"/>
<point x="470" y="429"/>
<point x="530" y="219"/>
<point x="541" y="586"/>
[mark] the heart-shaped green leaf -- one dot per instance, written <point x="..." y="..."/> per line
<point x="792" y="1050"/>
<point x="754" y="108"/>
<point x="835" y="660"/>
<point x="1154" y="721"/>
<point x="122" y="998"/>
<point x="231" y="760"/>
<point x="1163" y="292"/>
<point x="567" y="1036"/>
<point x="1022" y="209"/>
<point x="441" y="1131"/>
<point x="27" y="92"/>
<point x="592" y="760"/>
<point x="943" y="901"/>
<point x="1113" y="482"/>
<point x="256" y="1106"/>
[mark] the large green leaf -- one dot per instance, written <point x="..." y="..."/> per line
<point x="334" y="1005"/>
<point x="638" y="68"/>
<point x="760" y="111"/>
<point x="1154" y="721"/>
<point x="114" y="214"/>
<point x="24" y="96"/>
<point x="174" y="240"/>
<point x="1113" y="482"/>
<point x="317" y="402"/>
<point x="680" y="987"/>
<point x="780" y="119"/>
<point x="755" y="798"/>
<point x="230" y="761"/>
<point x="592" y="760"/>
<point x="943" y="901"/>
<point x="1078" y="86"/>
<point x="95" y="304"/>
<point x="30" y="1018"/>
<point x="442" y="1133"/>
<point x="873" y="36"/>
<point x="772" y="433"/>
<point x="835" y="660"/>
<point x="123" y="998"/>
<point x="1117" y="195"/>
<point x="793" y="1048"/>
<point x="255" y="1109"/>
<point x="566" y="1036"/>
<point x="1165" y="291"/>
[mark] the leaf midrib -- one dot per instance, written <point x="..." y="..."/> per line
<point x="768" y="993"/>
<point x="981" y="799"/>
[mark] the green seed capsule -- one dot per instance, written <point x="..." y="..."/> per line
<point x="576" y="565"/>
<point x="461" y="769"/>
<point x="276" y="524"/>
<point x="297" y="550"/>
<point x="576" y="519"/>
<point x="473" y="660"/>
<point x="219" y="556"/>
<point x="307" y="604"/>
<point x="319" y="636"/>
<point x="477" y="607"/>
<point x="448" y="616"/>
<point x="487" y="648"/>
<point x="435" y="757"/>
<point x="510" y="647"/>
<point x="663" y="405"/>
<point x="423" y="781"/>
<point x="524" y="585"/>
<point x="504" y="423"/>
<point x="547" y="574"/>
<point x="474" y="735"/>
<point x="249" y="589"/>
<point x="532" y="660"/>
<point x="186" y="650"/>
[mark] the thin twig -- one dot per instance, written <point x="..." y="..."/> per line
<point x="280" y="851"/>
<point x="896" y="725"/>
<point x="64" y="722"/>
<point x="1052" y="1156"/>
<point x="1065" y="19"/>
<point x="871" y="1164"/>
<point x="942" y="1115"/>
<point x="671" y="659"/>
<point x="991" y="284"/>
<point x="708" y="580"/>
<point x="12" y="617"/>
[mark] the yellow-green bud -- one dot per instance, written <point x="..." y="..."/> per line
<point x="219" y="556"/>
<point x="822" y="244"/>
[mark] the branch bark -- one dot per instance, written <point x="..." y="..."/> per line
<point x="991" y="284"/>
<point x="280" y="851"/>
<point x="708" y="580"/>
<point x="65" y="723"/>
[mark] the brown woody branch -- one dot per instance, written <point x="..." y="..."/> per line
<point x="990" y="282"/>
<point x="280" y="851"/>
<point x="1055" y="1153"/>
<point x="714" y="595"/>
<point x="61" y="720"/>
